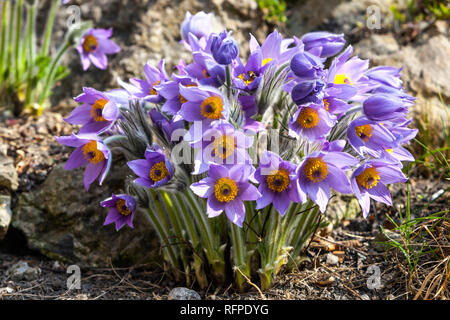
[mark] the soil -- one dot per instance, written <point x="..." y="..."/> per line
<point x="32" y="146"/>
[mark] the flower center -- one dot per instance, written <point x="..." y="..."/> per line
<point x="206" y="73"/>
<point x="364" y="132"/>
<point x="159" y="171"/>
<point x="342" y="79"/>
<point x="122" y="207"/>
<point x="278" y="180"/>
<point x="326" y="104"/>
<point x="153" y="91"/>
<point x="266" y="61"/>
<point x="225" y="190"/>
<point x="97" y="110"/>
<point x="224" y="147"/>
<point x="315" y="169"/>
<point x="247" y="77"/>
<point x="368" y="178"/>
<point x="308" y="118"/>
<point x="91" y="153"/>
<point x="389" y="151"/>
<point x="90" y="43"/>
<point x="212" y="107"/>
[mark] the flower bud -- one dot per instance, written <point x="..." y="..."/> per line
<point x="224" y="48"/>
<point x="306" y="66"/>
<point x="323" y="44"/>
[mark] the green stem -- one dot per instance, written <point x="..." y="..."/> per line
<point x="18" y="39"/>
<point x="49" y="28"/>
<point x="10" y="39"/>
<point x="228" y="81"/>
<point x="3" y="41"/>
<point x="239" y="255"/>
<point x="31" y="50"/>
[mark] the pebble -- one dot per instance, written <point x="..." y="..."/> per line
<point x="332" y="259"/>
<point x="181" y="293"/>
<point x="22" y="271"/>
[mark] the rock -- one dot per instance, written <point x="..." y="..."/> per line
<point x="5" y="214"/>
<point x="63" y="221"/>
<point x="332" y="260"/>
<point x="8" y="174"/>
<point x="365" y="297"/>
<point x="22" y="271"/>
<point x="181" y="293"/>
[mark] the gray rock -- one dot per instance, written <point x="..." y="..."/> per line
<point x="332" y="260"/>
<point x="8" y="174"/>
<point x="181" y="293"/>
<point x="22" y="271"/>
<point x="5" y="214"/>
<point x="65" y="222"/>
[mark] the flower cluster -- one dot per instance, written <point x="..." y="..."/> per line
<point x="343" y="127"/>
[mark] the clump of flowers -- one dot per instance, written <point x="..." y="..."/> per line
<point x="234" y="161"/>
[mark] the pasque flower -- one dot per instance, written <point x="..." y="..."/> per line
<point x="226" y="189"/>
<point x="308" y="91"/>
<point x="90" y="152"/>
<point x="370" y="179"/>
<point x="324" y="170"/>
<point x="224" y="48"/>
<point x="380" y="107"/>
<point x="94" y="47"/>
<point x="198" y="24"/>
<point x="153" y="171"/>
<point x="311" y="121"/>
<point x="323" y="44"/>
<point x="249" y="76"/>
<point x="122" y="210"/>
<point x="97" y="113"/>
<point x="278" y="183"/>
<point x="307" y="66"/>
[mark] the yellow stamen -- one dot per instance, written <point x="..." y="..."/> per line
<point x="159" y="171"/>
<point x="224" y="147"/>
<point x="308" y="118"/>
<point x="153" y="91"/>
<point x="266" y="60"/>
<point x="90" y="43"/>
<point x="364" y="132"/>
<point x="91" y="153"/>
<point x="122" y="207"/>
<point x="212" y="107"/>
<point x="342" y="79"/>
<point x="368" y="178"/>
<point x="389" y="150"/>
<point x="278" y="180"/>
<point x="315" y="169"/>
<point x="97" y="110"/>
<point x="326" y="104"/>
<point x="247" y="77"/>
<point x="225" y="190"/>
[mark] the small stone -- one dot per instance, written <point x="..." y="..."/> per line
<point x="56" y="265"/>
<point x="181" y="293"/>
<point x="365" y="297"/>
<point x="5" y="215"/>
<point x="8" y="174"/>
<point x="22" y="271"/>
<point x="6" y="290"/>
<point x="332" y="259"/>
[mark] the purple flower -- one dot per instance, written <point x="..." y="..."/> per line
<point x="275" y="48"/>
<point x="206" y="70"/>
<point x="249" y="76"/>
<point x="122" y="210"/>
<point x="323" y="44"/>
<point x="153" y="171"/>
<point x="147" y="89"/>
<point x="307" y="66"/>
<point x="369" y="136"/>
<point x="94" y="47"/>
<point x="224" y="48"/>
<point x="90" y="151"/>
<point x="380" y="107"/>
<point x="96" y="114"/>
<point x="221" y="144"/>
<point x="198" y="24"/>
<point x="320" y="171"/>
<point x="308" y="91"/>
<point x="166" y="125"/>
<point x="278" y="183"/>
<point x="370" y="179"/>
<point x="226" y="189"/>
<point x="170" y="90"/>
<point x="311" y="121"/>
<point x="386" y="76"/>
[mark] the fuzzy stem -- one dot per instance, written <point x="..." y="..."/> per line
<point x="31" y="50"/>
<point x="239" y="255"/>
<point x="18" y="39"/>
<point x="3" y="40"/>
<point x="49" y="28"/>
<point x="10" y="39"/>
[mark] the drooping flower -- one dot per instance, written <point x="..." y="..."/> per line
<point x="97" y="113"/>
<point x="221" y="144"/>
<point x="321" y="171"/>
<point x="122" y="210"/>
<point x="369" y="136"/>
<point x="307" y="66"/>
<point x="224" y="48"/>
<point x="153" y="171"/>
<point x="381" y="107"/>
<point x="370" y="179"/>
<point x="147" y="89"/>
<point x="94" y="47"/>
<point x="226" y="189"/>
<point x="90" y="151"/>
<point x="198" y="24"/>
<point x="311" y="121"/>
<point x="308" y="91"/>
<point x="323" y="44"/>
<point x="278" y="183"/>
